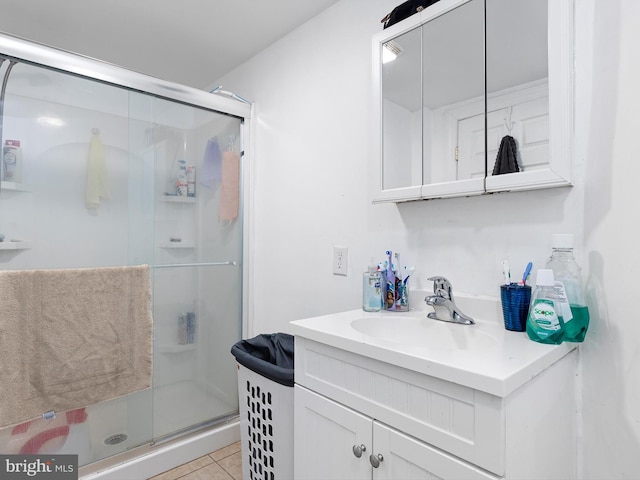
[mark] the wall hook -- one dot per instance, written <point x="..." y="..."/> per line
<point x="508" y="126"/>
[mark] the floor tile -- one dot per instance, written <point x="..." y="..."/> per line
<point x="213" y="471"/>
<point x="185" y="469"/>
<point x="226" y="451"/>
<point x="233" y="465"/>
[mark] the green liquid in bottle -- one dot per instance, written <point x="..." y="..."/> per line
<point x="543" y="323"/>
<point x="576" y="328"/>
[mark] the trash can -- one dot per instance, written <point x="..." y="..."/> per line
<point x="265" y="392"/>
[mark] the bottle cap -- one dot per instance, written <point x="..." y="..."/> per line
<point x="562" y="240"/>
<point x="544" y="278"/>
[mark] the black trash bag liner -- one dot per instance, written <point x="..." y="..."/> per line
<point x="270" y="355"/>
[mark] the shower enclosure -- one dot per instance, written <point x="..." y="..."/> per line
<point x="165" y="189"/>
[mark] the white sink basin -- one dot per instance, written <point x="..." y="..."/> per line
<point x="424" y="332"/>
<point x="483" y="356"/>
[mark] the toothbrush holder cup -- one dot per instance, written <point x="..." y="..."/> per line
<point x="515" y="306"/>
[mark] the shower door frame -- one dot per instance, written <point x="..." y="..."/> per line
<point x="28" y="52"/>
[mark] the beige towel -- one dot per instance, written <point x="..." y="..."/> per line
<point x="230" y="187"/>
<point x="72" y="338"/>
<point x="97" y="180"/>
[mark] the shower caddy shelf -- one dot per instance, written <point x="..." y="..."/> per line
<point x="177" y="245"/>
<point x="177" y="199"/>
<point x="14" y="186"/>
<point x="166" y="348"/>
<point x="15" y="245"/>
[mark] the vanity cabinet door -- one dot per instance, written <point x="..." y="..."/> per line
<point x="329" y="436"/>
<point x="325" y="434"/>
<point x="405" y="457"/>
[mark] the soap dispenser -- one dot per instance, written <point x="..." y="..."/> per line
<point x="372" y="290"/>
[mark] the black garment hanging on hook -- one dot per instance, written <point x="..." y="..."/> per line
<point x="405" y="10"/>
<point x="506" y="160"/>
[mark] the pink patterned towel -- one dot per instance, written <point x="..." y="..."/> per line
<point x="230" y="190"/>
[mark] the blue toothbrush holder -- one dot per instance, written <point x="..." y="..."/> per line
<point x="515" y="306"/>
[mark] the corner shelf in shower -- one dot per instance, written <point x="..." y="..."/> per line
<point x="181" y="245"/>
<point x="176" y="348"/>
<point x="15" y="186"/>
<point x="15" y="245"/>
<point x="177" y="199"/>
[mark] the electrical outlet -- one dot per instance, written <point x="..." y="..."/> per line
<point x="340" y="260"/>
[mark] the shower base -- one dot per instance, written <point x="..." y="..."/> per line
<point x="147" y="461"/>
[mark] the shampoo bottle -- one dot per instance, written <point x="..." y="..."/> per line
<point x="12" y="161"/>
<point x="568" y="278"/>
<point x="372" y="290"/>
<point x="544" y="322"/>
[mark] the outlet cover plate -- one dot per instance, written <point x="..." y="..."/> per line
<point x="340" y="260"/>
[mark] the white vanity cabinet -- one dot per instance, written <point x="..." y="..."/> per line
<point x="334" y="436"/>
<point x="425" y="427"/>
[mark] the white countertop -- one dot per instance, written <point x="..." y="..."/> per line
<point x="498" y="366"/>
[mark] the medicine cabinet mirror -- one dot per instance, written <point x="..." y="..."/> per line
<point x="474" y="97"/>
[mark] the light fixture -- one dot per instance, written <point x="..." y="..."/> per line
<point x="46" y="121"/>
<point x="390" y="51"/>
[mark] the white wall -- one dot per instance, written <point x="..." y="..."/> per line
<point x="611" y="356"/>
<point x="314" y="184"/>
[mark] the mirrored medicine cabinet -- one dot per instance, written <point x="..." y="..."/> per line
<point x="474" y="97"/>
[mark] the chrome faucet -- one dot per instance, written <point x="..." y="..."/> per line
<point x="443" y="304"/>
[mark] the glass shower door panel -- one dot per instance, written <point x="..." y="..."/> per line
<point x="197" y="264"/>
<point x="58" y="118"/>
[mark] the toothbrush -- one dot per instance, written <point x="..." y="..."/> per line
<point x="390" y="301"/>
<point x="397" y="257"/>
<point x="526" y="273"/>
<point x="506" y="273"/>
<point x="411" y="270"/>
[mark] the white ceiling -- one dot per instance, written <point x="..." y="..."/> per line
<point x="193" y="42"/>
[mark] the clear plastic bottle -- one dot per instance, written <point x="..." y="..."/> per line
<point x="544" y="322"/>
<point x="372" y="290"/>
<point x="566" y="270"/>
<point x="12" y="161"/>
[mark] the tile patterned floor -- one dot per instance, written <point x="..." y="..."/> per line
<point x="223" y="464"/>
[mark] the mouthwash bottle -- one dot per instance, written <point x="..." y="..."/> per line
<point x="567" y="273"/>
<point x="372" y="290"/>
<point x="544" y="322"/>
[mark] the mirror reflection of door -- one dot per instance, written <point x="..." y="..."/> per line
<point x="517" y="81"/>
<point x="470" y="147"/>
<point x="453" y="93"/>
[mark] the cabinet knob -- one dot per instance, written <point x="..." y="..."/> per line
<point x="358" y="449"/>
<point x="375" y="460"/>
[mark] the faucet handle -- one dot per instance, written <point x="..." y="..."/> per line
<point x="442" y="287"/>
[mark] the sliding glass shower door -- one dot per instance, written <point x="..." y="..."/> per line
<point x="190" y="174"/>
<point x="164" y="191"/>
